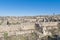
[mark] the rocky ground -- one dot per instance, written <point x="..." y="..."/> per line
<point x="30" y="28"/>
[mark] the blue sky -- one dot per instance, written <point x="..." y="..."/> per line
<point x="29" y="7"/>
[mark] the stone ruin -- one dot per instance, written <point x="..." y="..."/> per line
<point x="41" y="25"/>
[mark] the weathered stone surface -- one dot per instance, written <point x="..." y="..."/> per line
<point x="47" y="25"/>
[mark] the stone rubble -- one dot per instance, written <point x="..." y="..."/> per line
<point x="21" y="25"/>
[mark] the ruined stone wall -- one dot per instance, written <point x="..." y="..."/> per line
<point x="14" y="25"/>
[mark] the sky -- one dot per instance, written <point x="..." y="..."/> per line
<point x="29" y="7"/>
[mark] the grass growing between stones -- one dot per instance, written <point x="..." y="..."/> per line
<point x="31" y="36"/>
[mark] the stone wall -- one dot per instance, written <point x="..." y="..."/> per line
<point x="15" y="25"/>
